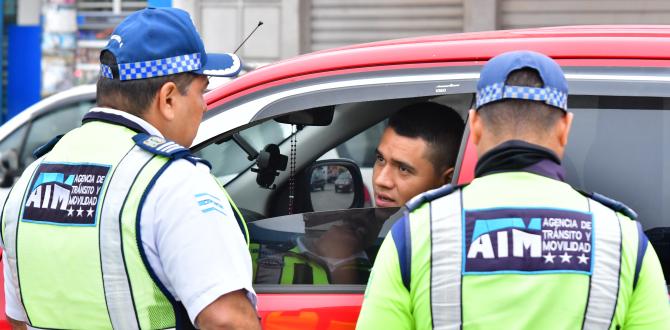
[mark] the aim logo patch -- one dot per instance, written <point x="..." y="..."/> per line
<point x="65" y="194"/>
<point x="527" y="240"/>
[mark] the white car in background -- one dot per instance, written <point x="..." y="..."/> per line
<point x="41" y="122"/>
<point x="37" y="125"/>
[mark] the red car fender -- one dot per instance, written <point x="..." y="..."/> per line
<point x="284" y="311"/>
<point x="4" y="324"/>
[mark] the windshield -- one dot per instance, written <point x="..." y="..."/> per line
<point x="229" y="160"/>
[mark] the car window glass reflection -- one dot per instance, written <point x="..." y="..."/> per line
<point x="331" y="247"/>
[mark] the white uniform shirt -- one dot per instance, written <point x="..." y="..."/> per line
<point x="197" y="252"/>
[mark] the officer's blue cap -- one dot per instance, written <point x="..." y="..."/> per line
<point x="491" y="86"/>
<point x="156" y="42"/>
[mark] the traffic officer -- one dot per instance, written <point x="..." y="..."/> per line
<point x="517" y="248"/>
<point x="117" y="225"/>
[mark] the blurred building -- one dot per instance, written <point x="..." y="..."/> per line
<point x="291" y="27"/>
<point x="299" y="26"/>
<point x="52" y="45"/>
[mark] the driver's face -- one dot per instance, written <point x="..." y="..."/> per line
<point x="402" y="170"/>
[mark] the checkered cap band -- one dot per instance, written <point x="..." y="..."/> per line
<point x="156" y="68"/>
<point x="106" y="71"/>
<point x="496" y="92"/>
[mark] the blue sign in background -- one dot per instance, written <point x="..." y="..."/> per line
<point x="24" y="55"/>
<point x="159" y="3"/>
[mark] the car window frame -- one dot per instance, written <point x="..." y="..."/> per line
<point x="336" y="89"/>
<point x="441" y="79"/>
<point x="328" y="91"/>
<point x="288" y="98"/>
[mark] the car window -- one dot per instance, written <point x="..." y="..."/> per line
<point x="338" y="246"/>
<point x="361" y="148"/>
<point x="334" y="247"/>
<point x="620" y="148"/>
<point x="343" y="177"/>
<point x="228" y="159"/>
<point x="46" y="127"/>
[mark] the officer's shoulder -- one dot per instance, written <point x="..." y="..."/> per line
<point x="164" y="147"/>
<point x="431" y="195"/>
<point x="611" y="203"/>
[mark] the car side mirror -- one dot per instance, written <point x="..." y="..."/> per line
<point x="9" y="168"/>
<point x="334" y="184"/>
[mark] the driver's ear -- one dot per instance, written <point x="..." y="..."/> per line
<point x="447" y="175"/>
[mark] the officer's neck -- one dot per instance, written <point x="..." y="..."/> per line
<point x="518" y="155"/>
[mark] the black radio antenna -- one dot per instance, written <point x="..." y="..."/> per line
<point x="247" y="38"/>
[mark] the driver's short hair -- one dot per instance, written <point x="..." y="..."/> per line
<point x="439" y="125"/>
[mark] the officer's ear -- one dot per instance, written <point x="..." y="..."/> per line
<point x="562" y="132"/>
<point x="476" y="128"/>
<point x="166" y="101"/>
<point x="564" y="126"/>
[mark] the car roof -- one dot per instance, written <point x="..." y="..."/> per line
<point x="642" y="42"/>
<point x="74" y="94"/>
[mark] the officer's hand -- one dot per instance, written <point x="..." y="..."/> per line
<point x="230" y="311"/>
<point x="16" y="325"/>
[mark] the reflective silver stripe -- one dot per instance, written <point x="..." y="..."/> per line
<point x="115" y="280"/>
<point x="604" y="287"/>
<point x="12" y="213"/>
<point x="446" y="261"/>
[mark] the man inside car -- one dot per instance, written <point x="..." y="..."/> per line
<point x="417" y="152"/>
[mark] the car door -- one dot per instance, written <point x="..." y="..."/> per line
<point x="629" y="98"/>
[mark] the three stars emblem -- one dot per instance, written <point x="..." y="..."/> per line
<point x="80" y="212"/>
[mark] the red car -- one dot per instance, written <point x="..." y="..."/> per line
<point x="329" y="108"/>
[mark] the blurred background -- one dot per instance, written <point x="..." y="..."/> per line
<point x="52" y="45"/>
